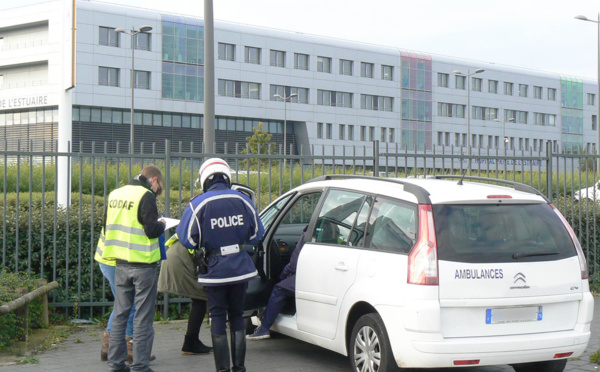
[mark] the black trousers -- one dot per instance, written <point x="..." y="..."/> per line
<point x="226" y="302"/>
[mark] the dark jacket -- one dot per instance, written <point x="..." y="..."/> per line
<point x="220" y="220"/>
<point x="288" y="275"/>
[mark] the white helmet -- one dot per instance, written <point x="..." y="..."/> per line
<point x="211" y="168"/>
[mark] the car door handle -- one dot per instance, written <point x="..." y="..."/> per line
<point x="341" y="267"/>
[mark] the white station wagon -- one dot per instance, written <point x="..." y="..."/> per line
<point x="427" y="273"/>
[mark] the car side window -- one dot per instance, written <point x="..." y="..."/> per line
<point x="393" y="226"/>
<point x="337" y="217"/>
<point x="268" y="216"/>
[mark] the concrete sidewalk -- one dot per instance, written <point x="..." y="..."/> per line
<point x="81" y="352"/>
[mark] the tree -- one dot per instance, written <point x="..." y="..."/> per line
<point x="259" y="143"/>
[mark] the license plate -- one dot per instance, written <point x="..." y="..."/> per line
<point x="513" y="315"/>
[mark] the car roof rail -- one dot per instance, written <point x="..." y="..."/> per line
<point x="421" y="193"/>
<point x="516" y="185"/>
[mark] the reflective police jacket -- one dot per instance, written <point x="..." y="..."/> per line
<point x="131" y="227"/>
<point x="221" y="220"/>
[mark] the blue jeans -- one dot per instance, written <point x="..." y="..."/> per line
<point x="109" y="273"/>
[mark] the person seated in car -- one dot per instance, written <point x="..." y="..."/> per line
<point x="282" y="291"/>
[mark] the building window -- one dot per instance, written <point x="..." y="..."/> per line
<point x="342" y="132"/>
<point x="363" y="133"/>
<point x="371" y="134"/>
<point x="451" y="110"/>
<point x="108" y="76"/>
<point x="460" y="82"/>
<point x="345" y="67"/>
<point x="443" y="80"/>
<point x="476" y="84"/>
<point x="485" y="113"/>
<point x="594" y="122"/>
<point x="239" y="89"/>
<point x="382" y="134"/>
<point x="351" y="132"/>
<point x="387" y="72"/>
<point x="252" y="55"/>
<point x="319" y="130"/>
<point x="537" y="92"/>
<point x="277" y="58"/>
<point x="300" y="61"/>
<point x="523" y="90"/>
<point x="109" y="37"/>
<point x="142" y="79"/>
<point x="1" y="81"/>
<point x="377" y="103"/>
<point x="392" y="136"/>
<point x="328" y="130"/>
<point x="227" y="52"/>
<point x="286" y="91"/>
<point x="508" y="89"/>
<point x="544" y="119"/>
<point x="493" y="86"/>
<point x="324" y="64"/>
<point x="332" y="98"/>
<point x="366" y="69"/>
<point x="519" y="116"/>
<point x="591" y="99"/>
<point x="142" y="41"/>
<point x="551" y="94"/>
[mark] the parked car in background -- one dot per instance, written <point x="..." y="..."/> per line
<point x="428" y="273"/>
<point x="592" y="192"/>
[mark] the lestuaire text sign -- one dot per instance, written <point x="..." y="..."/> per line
<point x="19" y="102"/>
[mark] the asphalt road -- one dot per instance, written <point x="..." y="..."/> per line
<point x="81" y="352"/>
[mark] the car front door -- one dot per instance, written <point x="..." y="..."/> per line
<point x="328" y="263"/>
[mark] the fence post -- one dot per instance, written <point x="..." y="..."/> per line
<point x="44" y="299"/>
<point x="376" y="158"/>
<point x="167" y="181"/>
<point x="549" y="170"/>
<point x="23" y="312"/>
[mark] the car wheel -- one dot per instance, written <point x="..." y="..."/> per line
<point x="546" y="366"/>
<point x="370" y="349"/>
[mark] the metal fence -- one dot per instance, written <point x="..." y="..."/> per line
<point x="53" y="236"/>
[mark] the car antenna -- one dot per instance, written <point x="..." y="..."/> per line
<point x="464" y="173"/>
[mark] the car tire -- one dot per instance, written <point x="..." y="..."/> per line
<point x="369" y="348"/>
<point x="546" y="366"/>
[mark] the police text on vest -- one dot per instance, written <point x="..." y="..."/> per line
<point x="227" y="221"/>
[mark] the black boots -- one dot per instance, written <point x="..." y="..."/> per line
<point x="192" y="345"/>
<point x="238" y="350"/>
<point x="221" y="352"/>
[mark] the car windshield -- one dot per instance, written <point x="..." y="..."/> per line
<point x="500" y="233"/>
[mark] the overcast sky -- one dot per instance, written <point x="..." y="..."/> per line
<point x="534" y="34"/>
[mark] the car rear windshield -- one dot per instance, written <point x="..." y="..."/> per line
<point x="500" y="233"/>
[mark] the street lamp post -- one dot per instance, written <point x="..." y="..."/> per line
<point x="583" y="18"/>
<point x="468" y="76"/>
<point x="504" y="138"/>
<point x="132" y="33"/>
<point x="285" y="100"/>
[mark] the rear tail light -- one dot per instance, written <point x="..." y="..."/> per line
<point x="580" y="255"/>
<point x="562" y="355"/>
<point x="422" y="260"/>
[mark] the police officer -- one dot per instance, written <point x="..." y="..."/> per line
<point x="218" y="222"/>
<point x="131" y="231"/>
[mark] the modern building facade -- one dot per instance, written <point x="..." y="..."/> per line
<point x="73" y="84"/>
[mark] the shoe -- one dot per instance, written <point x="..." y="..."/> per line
<point x="192" y="345"/>
<point x="260" y="333"/>
<point x="238" y="350"/>
<point x="130" y="350"/>
<point x="221" y="353"/>
<point x="104" y="350"/>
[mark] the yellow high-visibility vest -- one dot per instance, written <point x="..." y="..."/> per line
<point x="124" y="235"/>
<point x="100" y="248"/>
